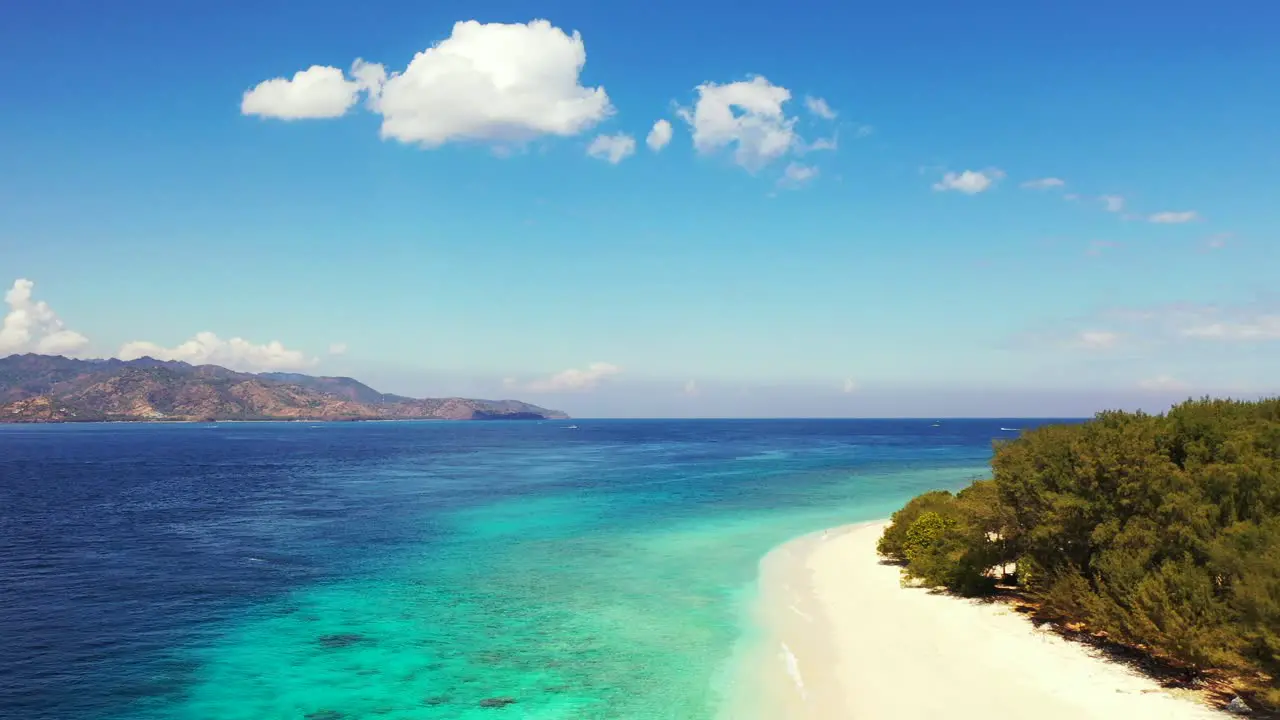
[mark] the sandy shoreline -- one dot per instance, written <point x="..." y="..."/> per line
<point x="843" y="639"/>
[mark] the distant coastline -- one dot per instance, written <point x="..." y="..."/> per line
<point x="257" y="420"/>
<point x="56" y="389"/>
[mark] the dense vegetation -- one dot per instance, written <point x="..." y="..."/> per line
<point x="1161" y="531"/>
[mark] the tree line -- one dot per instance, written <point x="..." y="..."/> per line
<point x="1161" y="531"/>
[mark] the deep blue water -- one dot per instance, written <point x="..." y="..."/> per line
<point x="176" y="571"/>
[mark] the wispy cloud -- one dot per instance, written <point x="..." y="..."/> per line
<point x="820" y="144"/>
<point x="571" y="380"/>
<point x="1112" y="203"/>
<point x="1162" y="383"/>
<point x="1174" y="218"/>
<point x="1159" y="329"/>
<point x="1260" y="327"/>
<point x="819" y="107"/>
<point x="1097" y="339"/>
<point x="797" y="175"/>
<point x="1044" y="183"/>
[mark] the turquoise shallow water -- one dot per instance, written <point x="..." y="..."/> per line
<point x="418" y="570"/>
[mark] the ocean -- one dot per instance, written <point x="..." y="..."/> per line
<point x="394" y="570"/>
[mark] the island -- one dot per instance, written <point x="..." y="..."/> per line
<point x="55" y="389"/>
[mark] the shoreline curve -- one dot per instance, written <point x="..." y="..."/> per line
<point x="842" y="637"/>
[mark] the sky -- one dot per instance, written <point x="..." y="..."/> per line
<point x="656" y="209"/>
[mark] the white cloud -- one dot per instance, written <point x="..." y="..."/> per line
<point x="1071" y="197"/>
<point x="1112" y="203"/>
<point x="691" y="388"/>
<point x="1217" y="241"/>
<point x="319" y="91"/>
<point x="571" y="380"/>
<point x="489" y="82"/>
<point x="1163" y="383"/>
<point x="33" y="326"/>
<point x="1173" y="218"/>
<point x="612" y="148"/>
<point x="819" y="107"/>
<point x="659" y="136"/>
<point x="206" y="348"/>
<point x="747" y="114"/>
<point x="1097" y="339"/>
<point x="338" y="349"/>
<point x="969" y="182"/>
<point x="830" y="143"/>
<point x="849" y="386"/>
<point x="1044" y="183"/>
<point x="1261" y="327"/>
<point x="797" y="175"/>
<point x="1174" y="330"/>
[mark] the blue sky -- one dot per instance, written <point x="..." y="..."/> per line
<point x="446" y="229"/>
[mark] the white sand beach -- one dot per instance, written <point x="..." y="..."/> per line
<point x="846" y="640"/>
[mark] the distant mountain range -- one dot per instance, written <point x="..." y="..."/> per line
<point x="44" y="388"/>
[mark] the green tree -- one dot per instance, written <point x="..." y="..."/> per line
<point x="1162" y="531"/>
<point x="892" y="543"/>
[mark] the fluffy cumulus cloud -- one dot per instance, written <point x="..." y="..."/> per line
<point x="317" y="92"/>
<point x="489" y="82"/>
<point x="747" y="115"/>
<point x="659" y="136"/>
<point x="969" y="182"/>
<point x="819" y="107"/>
<point x="612" y="148"/>
<point x="207" y="348"/>
<point x="338" y="349"/>
<point x="1173" y="218"/>
<point x="32" y="326"/>
<point x="571" y="380"/>
<point x="849" y="387"/>
<point x="691" y="388"/>
<point x="1044" y="183"/>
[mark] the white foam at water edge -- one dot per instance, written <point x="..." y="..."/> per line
<point x="793" y="669"/>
